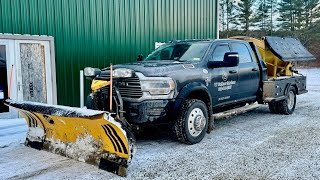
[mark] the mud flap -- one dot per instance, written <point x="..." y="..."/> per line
<point x="90" y="136"/>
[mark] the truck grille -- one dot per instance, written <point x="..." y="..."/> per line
<point x="128" y="87"/>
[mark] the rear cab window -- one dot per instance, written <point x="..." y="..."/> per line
<point x="244" y="54"/>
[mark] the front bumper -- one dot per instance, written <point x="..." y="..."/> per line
<point x="149" y="111"/>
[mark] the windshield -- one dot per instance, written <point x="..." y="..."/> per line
<point x="180" y="52"/>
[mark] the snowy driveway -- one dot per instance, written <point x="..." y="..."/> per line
<point x="254" y="145"/>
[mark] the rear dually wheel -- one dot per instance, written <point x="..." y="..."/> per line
<point x="285" y="106"/>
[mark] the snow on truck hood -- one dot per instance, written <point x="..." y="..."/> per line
<point x="155" y="69"/>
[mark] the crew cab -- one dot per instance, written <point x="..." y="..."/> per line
<point x="182" y="83"/>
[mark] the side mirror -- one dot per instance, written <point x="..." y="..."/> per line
<point x="230" y="59"/>
<point x="140" y="57"/>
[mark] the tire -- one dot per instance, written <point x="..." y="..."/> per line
<point x="288" y="105"/>
<point x="192" y="122"/>
<point x="273" y="108"/>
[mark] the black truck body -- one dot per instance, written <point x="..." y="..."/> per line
<point x="221" y="74"/>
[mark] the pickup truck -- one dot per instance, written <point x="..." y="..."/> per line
<point x="183" y="83"/>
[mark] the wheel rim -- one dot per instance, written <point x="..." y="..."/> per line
<point x="290" y="100"/>
<point x="196" y="122"/>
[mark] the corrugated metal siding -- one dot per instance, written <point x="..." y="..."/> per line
<point x="99" y="32"/>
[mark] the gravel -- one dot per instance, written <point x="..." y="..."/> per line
<point x="253" y="145"/>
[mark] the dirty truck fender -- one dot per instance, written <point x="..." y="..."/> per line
<point x="190" y="88"/>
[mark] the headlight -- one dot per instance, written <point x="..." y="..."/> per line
<point x="91" y="72"/>
<point x="122" y="73"/>
<point x="158" y="86"/>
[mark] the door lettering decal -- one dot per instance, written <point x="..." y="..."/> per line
<point x="223" y="86"/>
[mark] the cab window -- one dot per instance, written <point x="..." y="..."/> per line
<point x="180" y="52"/>
<point x="244" y="55"/>
<point x="218" y="53"/>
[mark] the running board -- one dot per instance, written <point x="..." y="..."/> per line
<point x="236" y="111"/>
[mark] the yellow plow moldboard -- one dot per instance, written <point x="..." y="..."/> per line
<point x="86" y="135"/>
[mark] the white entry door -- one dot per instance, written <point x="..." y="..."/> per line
<point x="34" y="77"/>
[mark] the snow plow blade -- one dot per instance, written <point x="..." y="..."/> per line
<point x="90" y="136"/>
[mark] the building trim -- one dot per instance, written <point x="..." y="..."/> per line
<point x="50" y="39"/>
<point x="217" y="19"/>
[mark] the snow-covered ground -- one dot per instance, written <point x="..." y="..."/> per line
<point x="253" y="145"/>
<point x="12" y="132"/>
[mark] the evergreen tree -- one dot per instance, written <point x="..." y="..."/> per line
<point x="272" y="10"/>
<point x="286" y="15"/>
<point x="298" y="14"/>
<point x="244" y="16"/>
<point x="222" y="12"/>
<point x="312" y="12"/>
<point x="262" y="16"/>
<point x="227" y="15"/>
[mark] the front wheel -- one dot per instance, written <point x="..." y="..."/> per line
<point x="192" y="122"/>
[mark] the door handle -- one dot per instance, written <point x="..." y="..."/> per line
<point x="232" y="71"/>
<point x="254" y="69"/>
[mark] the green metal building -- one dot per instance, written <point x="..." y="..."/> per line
<point x="99" y="32"/>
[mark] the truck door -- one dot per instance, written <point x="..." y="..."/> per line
<point x="223" y="86"/>
<point x="249" y="75"/>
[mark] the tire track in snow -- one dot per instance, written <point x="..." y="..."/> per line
<point x="53" y="167"/>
